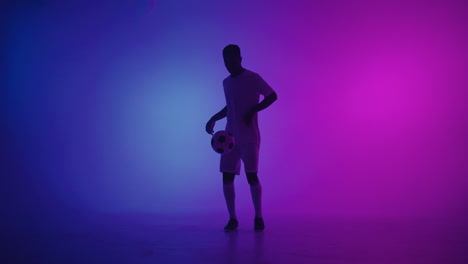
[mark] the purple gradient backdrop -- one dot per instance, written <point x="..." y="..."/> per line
<point x="104" y="106"/>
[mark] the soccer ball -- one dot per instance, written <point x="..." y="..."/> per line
<point x="222" y="142"/>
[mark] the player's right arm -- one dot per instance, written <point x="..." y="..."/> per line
<point x="211" y="123"/>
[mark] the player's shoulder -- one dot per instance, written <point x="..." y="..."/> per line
<point x="246" y="74"/>
<point x="225" y="80"/>
<point x="251" y="73"/>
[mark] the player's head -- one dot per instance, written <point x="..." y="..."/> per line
<point x="232" y="58"/>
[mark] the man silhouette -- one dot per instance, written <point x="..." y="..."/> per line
<point x="242" y="89"/>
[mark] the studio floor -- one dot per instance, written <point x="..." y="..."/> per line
<point x="199" y="238"/>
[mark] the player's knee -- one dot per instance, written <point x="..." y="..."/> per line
<point x="228" y="177"/>
<point x="252" y="178"/>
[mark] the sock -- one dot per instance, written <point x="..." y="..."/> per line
<point x="230" y="196"/>
<point x="256" y="192"/>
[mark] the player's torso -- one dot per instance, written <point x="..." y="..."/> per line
<point x="241" y="92"/>
<point x="241" y="96"/>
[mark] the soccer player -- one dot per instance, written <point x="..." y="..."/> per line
<point x="242" y="89"/>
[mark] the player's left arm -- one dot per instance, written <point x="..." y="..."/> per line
<point x="270" y="96"/>
<point x="266" y="102"/>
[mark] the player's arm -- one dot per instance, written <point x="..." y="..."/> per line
<point x="210" y="124"/>
<point x="266" y="102"/>
<point x="220" y="115"/>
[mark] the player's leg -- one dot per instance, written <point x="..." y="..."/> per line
<point x="229" y="193"/>
<point x="230" y="166"/>
<point x="256" y="192"/>
<point x="250" y="155"/>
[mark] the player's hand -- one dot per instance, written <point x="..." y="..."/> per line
<point x="248" y="117"/>
<point x="209" y="126"/>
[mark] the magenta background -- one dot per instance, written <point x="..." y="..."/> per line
<point x="104" y="106"/>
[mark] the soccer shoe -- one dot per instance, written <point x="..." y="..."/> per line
<point x="259" y="225"/>
<point x="231" y="225"/>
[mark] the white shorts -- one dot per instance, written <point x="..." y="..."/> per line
<point x="231" y="161"/>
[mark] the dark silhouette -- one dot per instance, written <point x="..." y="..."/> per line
<point x="242" y="89"/>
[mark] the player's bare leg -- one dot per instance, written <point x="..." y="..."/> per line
<point x="256" y="192"/>
<point x="230" y="196"/>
